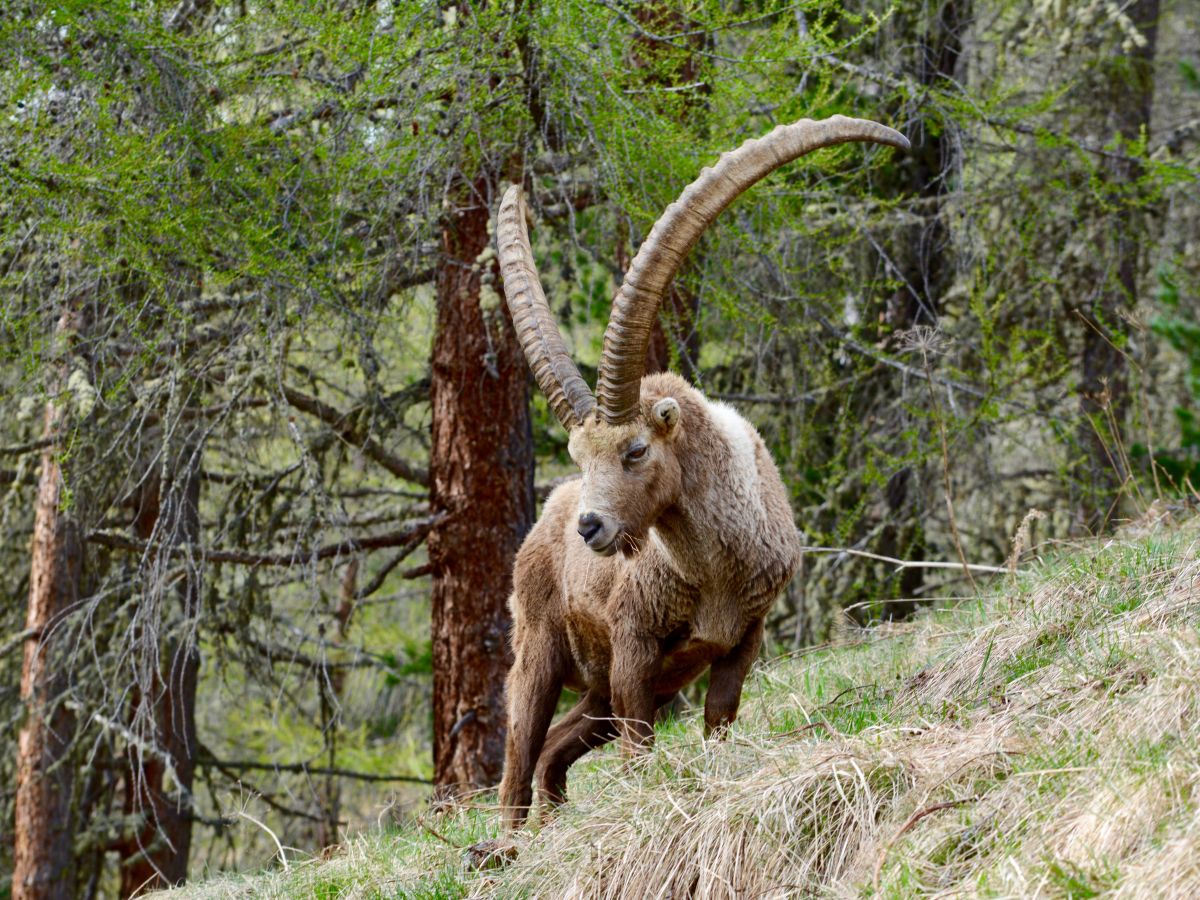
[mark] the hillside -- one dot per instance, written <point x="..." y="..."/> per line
<point x="1042" y="741"/>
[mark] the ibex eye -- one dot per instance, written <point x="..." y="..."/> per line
<point x="635" y="453"/>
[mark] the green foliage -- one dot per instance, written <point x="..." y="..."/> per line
<point x="1190" y="76"/>
<point x="1178" y="326"/>
<point x="248" y="202"/>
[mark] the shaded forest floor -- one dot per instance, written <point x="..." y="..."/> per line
<point x="1041" y="741"/>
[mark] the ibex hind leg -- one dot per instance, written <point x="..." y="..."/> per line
<point x="587" y="726"/>
<point x="726" y="679"/>
<point x="534" y="685"/>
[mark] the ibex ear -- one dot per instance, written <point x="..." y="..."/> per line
<point x="666" y="413"/>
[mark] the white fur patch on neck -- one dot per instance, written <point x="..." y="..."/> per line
<point x="660" y="545"/>
<point x="742" y="476"/>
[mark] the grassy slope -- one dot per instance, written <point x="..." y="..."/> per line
<point x="1042" y="741"/>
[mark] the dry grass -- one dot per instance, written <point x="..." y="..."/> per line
<point x="1043" y="742"/>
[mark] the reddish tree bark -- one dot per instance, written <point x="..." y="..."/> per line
<point x="157" y="856"/>
<point x="481" y="475"/>
<point x="43" y="865"/>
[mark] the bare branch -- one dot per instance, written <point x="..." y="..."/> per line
<point x="344" y="428"/>
<point x="304" y="769"/>
<point x="27" y="447"/>
<point x="381" y="576"/>
<point x="912" y="564"/>
<point x="411" y="533"/>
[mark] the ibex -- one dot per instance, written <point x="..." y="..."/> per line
<point x="663" y="560"/>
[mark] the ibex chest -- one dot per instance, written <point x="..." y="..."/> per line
<point x="691" y="624"/>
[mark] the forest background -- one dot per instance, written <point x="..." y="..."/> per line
<point x="268" y="443"/>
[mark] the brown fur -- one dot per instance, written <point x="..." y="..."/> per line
<point x="705" y="545"/>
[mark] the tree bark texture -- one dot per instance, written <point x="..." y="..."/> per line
<point x="1104" y="370"/>
<point x="43" y="865"/>
<point x="895" y="522"/>
<point x="156" y="856"/>
<point x="922" y="257"/>
<point x="481" y="472"/>
<point x="924" y="173"/>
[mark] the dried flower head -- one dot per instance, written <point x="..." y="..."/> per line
<point x="924" y="339"/>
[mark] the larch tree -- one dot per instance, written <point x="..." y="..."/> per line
<point x="917" y="259"/>
<point x="666" y="51"/>
<point x="481" y="456"/>
<point x="297" y="362"/>
<point x="159" y="777"/>
<point x="481" y="479"/>
<point x="43" y="861"/>
<point x="1122" y="95"/>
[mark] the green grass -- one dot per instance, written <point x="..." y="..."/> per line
<point x="1043" y="740"/>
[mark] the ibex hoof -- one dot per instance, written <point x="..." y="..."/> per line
<point x="493" y="854"/>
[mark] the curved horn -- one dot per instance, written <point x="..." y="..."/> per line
<point x="569" y="396"/>
<point x="680" y="226"/>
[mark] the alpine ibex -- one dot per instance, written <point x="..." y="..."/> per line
<point x="665" y="557"/>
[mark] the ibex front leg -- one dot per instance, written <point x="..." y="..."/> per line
<point x="534" y="685"/>
<point x="636" y="662"/>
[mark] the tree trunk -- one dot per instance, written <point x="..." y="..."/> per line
<point x="666" y="66"/>
<point x="332" y="687"/>
<point x="926" y="275"/>
<point x="1104" y="370"/>
<point x="43" y="864"/>
<point x="157" y="856"/>
<point x="481" y="475"/>
<point x="895" y="522"/>
<point x="923" y="174"/>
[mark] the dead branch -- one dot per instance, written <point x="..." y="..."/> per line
<point x="913" y="820"/>
<point x="304" y="769"/>
<point x="27" y="447"/>
<point x="381" y="576"/>
<point x="344" y="428"/>
<point x="911" y="564"/>
<point x="410" y="533"/>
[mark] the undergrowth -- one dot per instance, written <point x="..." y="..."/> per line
<point x="1040" y="741"/>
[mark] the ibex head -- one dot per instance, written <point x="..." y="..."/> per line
<point x="631" y="474"/>
<point x="624" y="447"/>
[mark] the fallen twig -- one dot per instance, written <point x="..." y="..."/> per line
<point x="912" y="564"/>
<point x="913" y="820"/>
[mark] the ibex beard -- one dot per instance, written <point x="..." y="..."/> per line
<point x="663" y="560"/>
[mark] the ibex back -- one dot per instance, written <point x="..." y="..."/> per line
<point x="664" y="559"/>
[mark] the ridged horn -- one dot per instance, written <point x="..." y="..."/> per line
<point x="636" y="304"/>
<point x="569" y="396"/>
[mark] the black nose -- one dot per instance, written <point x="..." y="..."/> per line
<point x="589" y="526"/>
